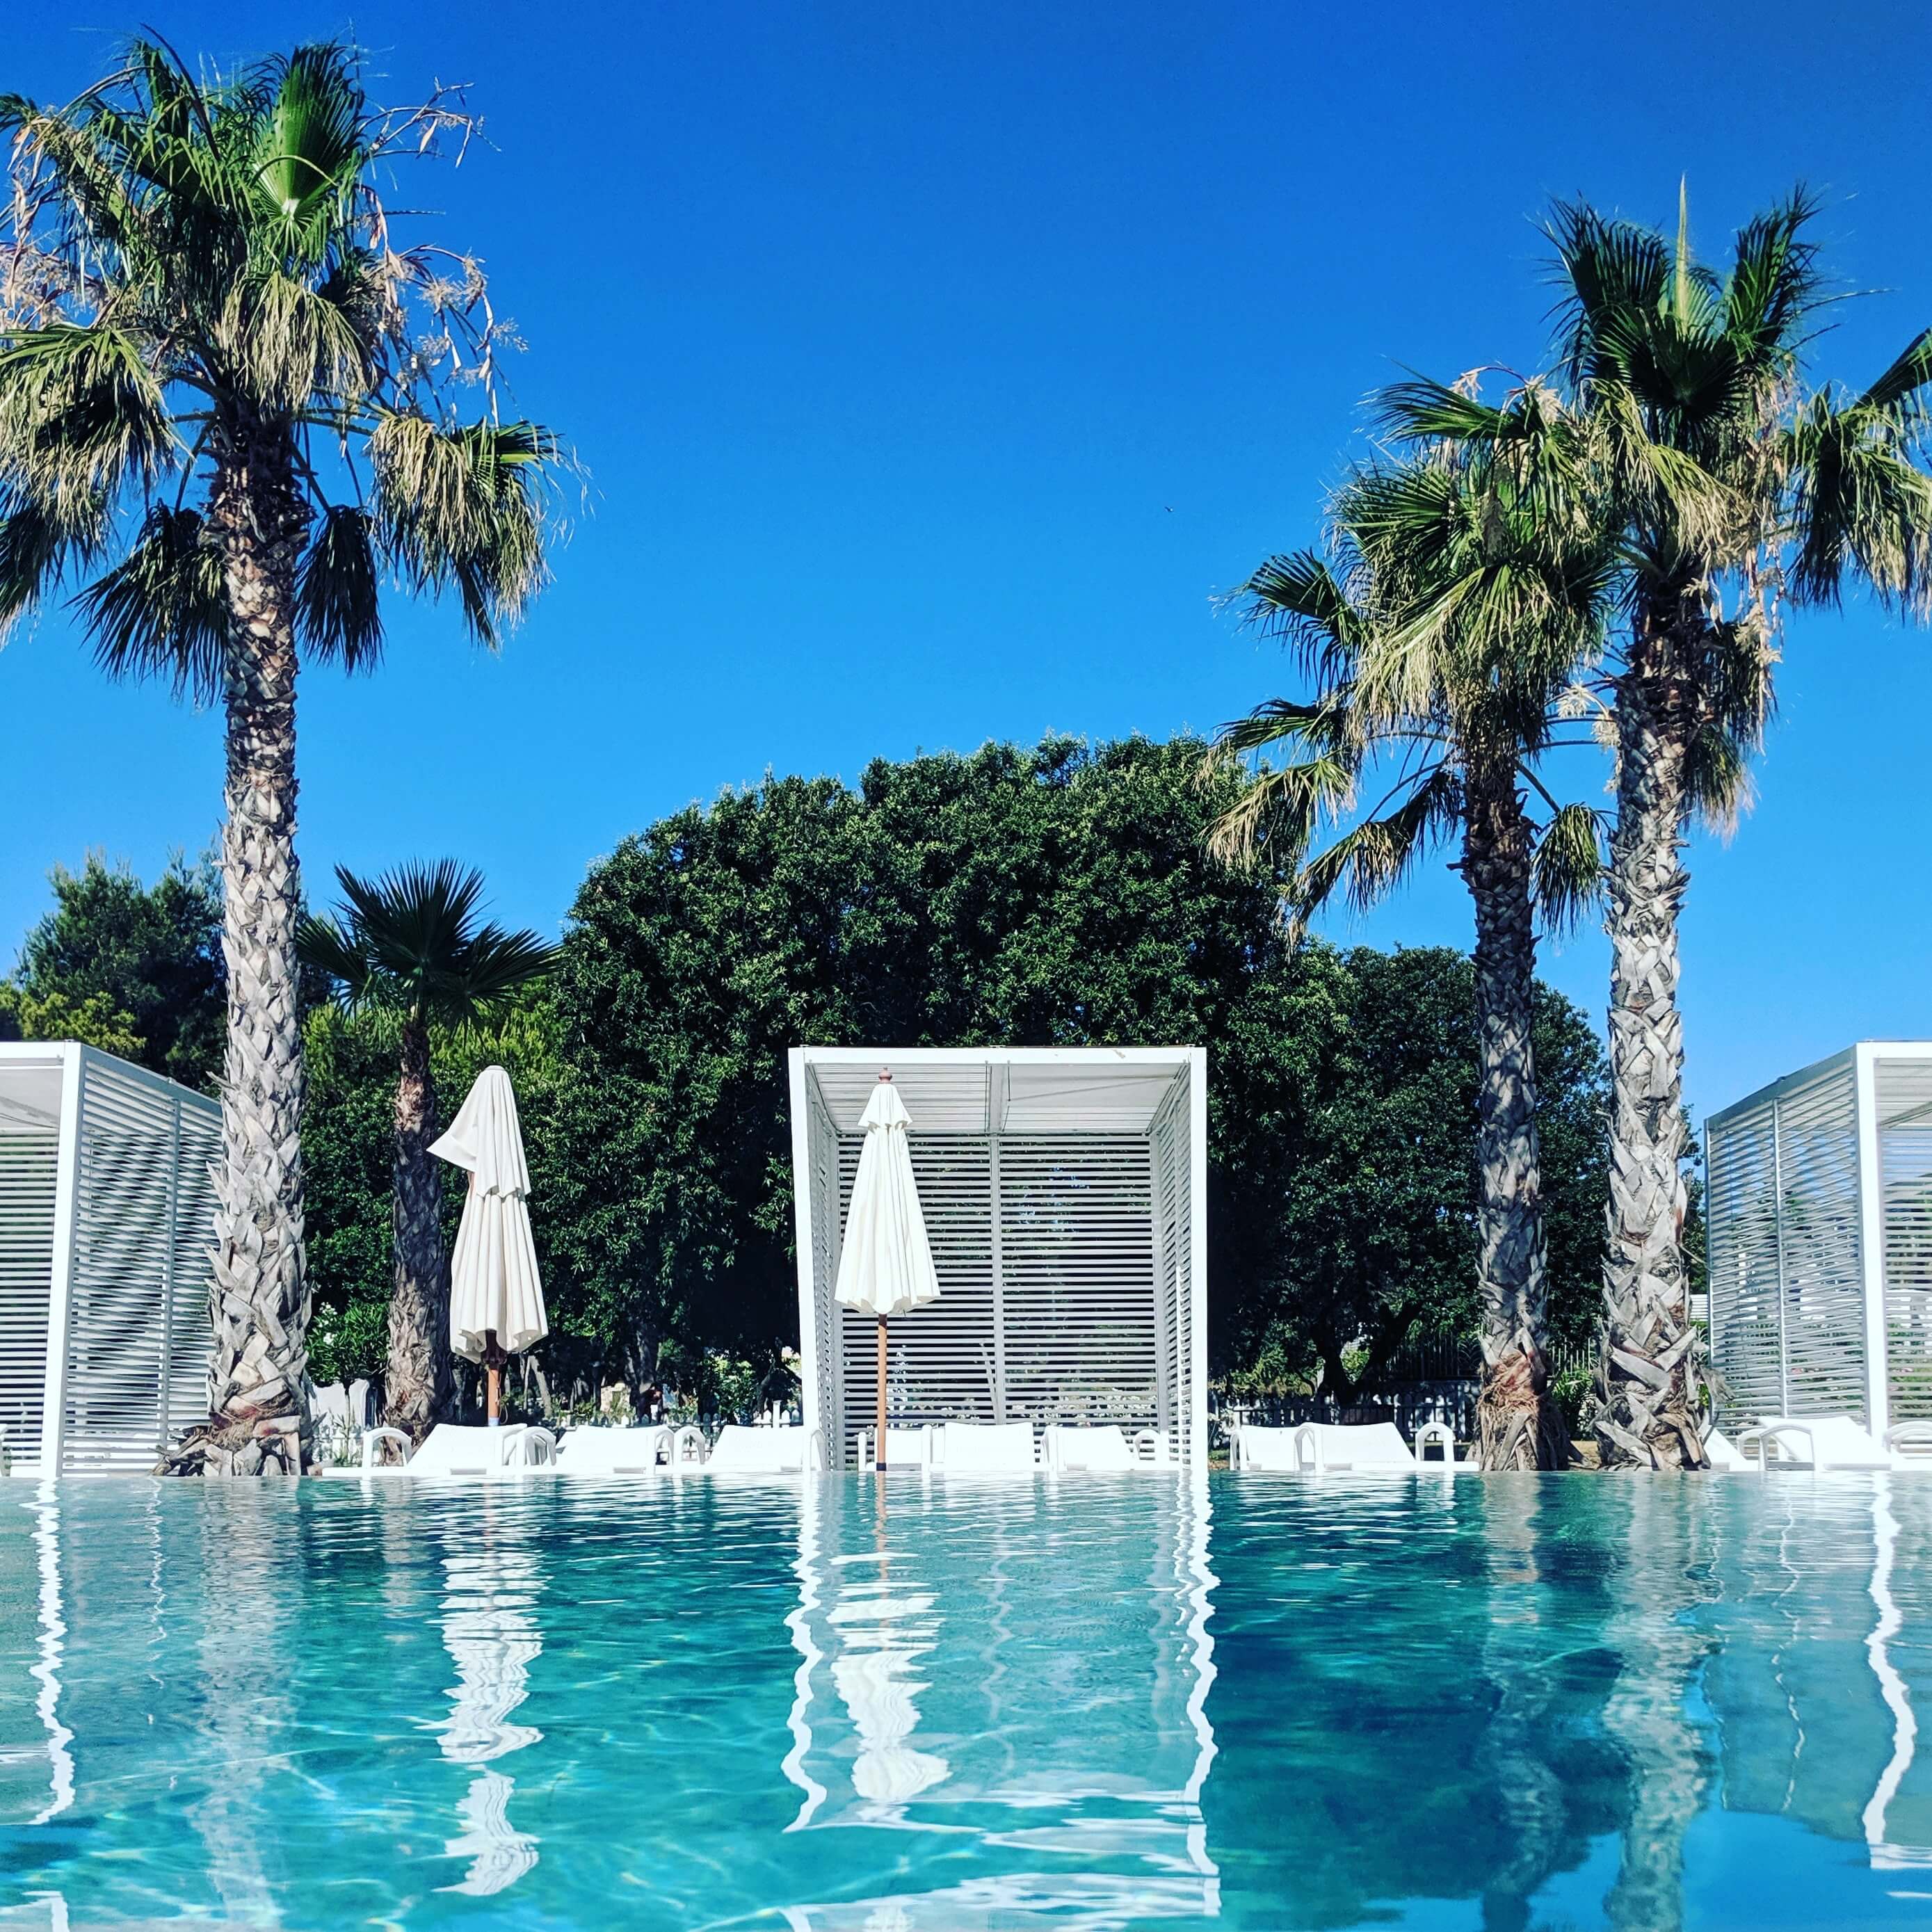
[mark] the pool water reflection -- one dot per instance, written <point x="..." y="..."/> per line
<point x="1144" y="1701"/>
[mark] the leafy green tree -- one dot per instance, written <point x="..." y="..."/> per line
<point x="94" y="1020"/>
<point x="204" y="294"/>
<point x="410" y="945"/>
<point x="1346" y="1185"/>
<point x="1057" y="895"/>
<point x="150" y="954"/>
<point x="1445" y="646"/>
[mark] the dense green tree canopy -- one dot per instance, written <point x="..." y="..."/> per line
<point x="1060" y="895"/>
<point x="151" y="955"/>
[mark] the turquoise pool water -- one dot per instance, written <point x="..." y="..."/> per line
<point x="1104" y="1703"/>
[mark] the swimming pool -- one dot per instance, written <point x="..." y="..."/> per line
<point x="1128" y="1702"/>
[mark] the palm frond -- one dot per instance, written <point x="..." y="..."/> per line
<point x="1278" y="808"/>
<point x="1371" y="858"/>
<point x="1860" y="506"/>
<point x="337" y="590"/>
<point x="327" y="947"/>
<point x="464" y="509"/>
<point x="1566" y="873"/>
<point x="163" y="610"/>
<point x="37" y="546"/>
<point x="1775" y="283"/>
<point x="1905" y="381"/>
<point x="1423" y="410"/>
<point x="1296" y="597"/>
<point x="312" y="147"/>
<point x="83" y="416"/>
<point x="408" y="941"/>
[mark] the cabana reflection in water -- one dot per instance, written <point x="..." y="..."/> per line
<point x="1149" y="1700"/>
<point x="920" y="1704"/>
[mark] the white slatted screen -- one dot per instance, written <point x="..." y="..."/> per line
<point x="1786" y="1283"/>
<point x="140" y="1216"/>
<point x="1904" y="1097"/>
<point x="29" y="1160"/>
<point x="1746" y="1314"/>
<point x="1056" y="1194"/>
<point x="1176" y="1310"/>
<point x="1824" y="1294"/>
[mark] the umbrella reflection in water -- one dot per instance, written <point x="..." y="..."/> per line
<point x="490" y="1631"/>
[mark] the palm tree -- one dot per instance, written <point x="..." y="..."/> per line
<point x="1448" y="641"/>
<point x="408" y="946"/>
<point x="1733" y="491"/>
<point x="227" y="411"/>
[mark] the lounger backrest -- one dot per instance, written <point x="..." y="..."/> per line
<point x="1367" y="1445"/>
<point x="452" y="1449"/>
<point x="759" y="1451"/>
<point x="985" y="1445"/>
<point x="611" y="1452"/>
<point x="1104" y="1447"/>
<point x="1263" y="1447"/>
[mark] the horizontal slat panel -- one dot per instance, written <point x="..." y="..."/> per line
<point x="28" y="1161"/>
<point x="1745" y="1318"/>
<point x="1824" y="1297"/>
<point x="1904" y="1092"/>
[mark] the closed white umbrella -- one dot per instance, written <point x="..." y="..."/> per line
<point x="886" y="1266"/>
<point x="496" y="1298"/>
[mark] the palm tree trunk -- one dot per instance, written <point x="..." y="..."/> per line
<point x="1518" y="1426"/>
<point x="259" y="1420"/>
<point x="1648" y="1374"/>
<point x="418" y="1379"/>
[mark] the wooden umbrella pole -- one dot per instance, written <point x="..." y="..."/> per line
<point x="494" y="1359"/>
<point x="879" y="1440"/>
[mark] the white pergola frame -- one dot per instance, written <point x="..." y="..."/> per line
<point x="1064" y="1189"/>
<point x="1819" y="1207"/>
<point x="106" y="1238"/>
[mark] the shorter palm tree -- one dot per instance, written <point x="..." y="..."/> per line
<point x="408" y="946"/>
<point x="1448" y="644"/>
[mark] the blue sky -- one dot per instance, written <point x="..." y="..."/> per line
<point x="936" y="366"/>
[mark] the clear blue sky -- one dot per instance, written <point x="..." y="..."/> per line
<point x="936" y="366"/>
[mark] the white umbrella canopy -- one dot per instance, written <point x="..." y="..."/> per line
<point x="885" y="1267"/>
<point x="496" y="1295"/>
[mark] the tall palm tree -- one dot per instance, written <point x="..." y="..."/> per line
<point x="1733" y="491"/>
<point x="227" y="413"/>
<point x="1448" y="641"/>
<point x="408" y="946"/>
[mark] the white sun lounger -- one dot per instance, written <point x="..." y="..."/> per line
<point x="1103" y="1447"/>
<point x="1818" y="1442"/>
<point x="985" y="1448"/>
<point x="740" y="1450"/>
<point x="1316" y="1448"/>
<point x="453" y="1449"/>
<point x="905" y="1448"/>
<point x="613" y="1452"/>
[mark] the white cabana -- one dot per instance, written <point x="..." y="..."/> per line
<point x="1820" y="1208"/>
<point x="1062" y="1188"/>
<point x="107" y="1225"/>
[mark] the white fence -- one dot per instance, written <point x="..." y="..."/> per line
<point x="106" y="1223"/>
<point x="1062" y="1188"/>
<point x="1819" y="1206"/>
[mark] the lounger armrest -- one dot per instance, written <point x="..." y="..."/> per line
<point x="1766" y="1433"/>
<point x="371" y="1437"/>
<point x="1910" y="1436"/>
<point x="688" y="1446"/>
<point x="530" y="1445"/>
